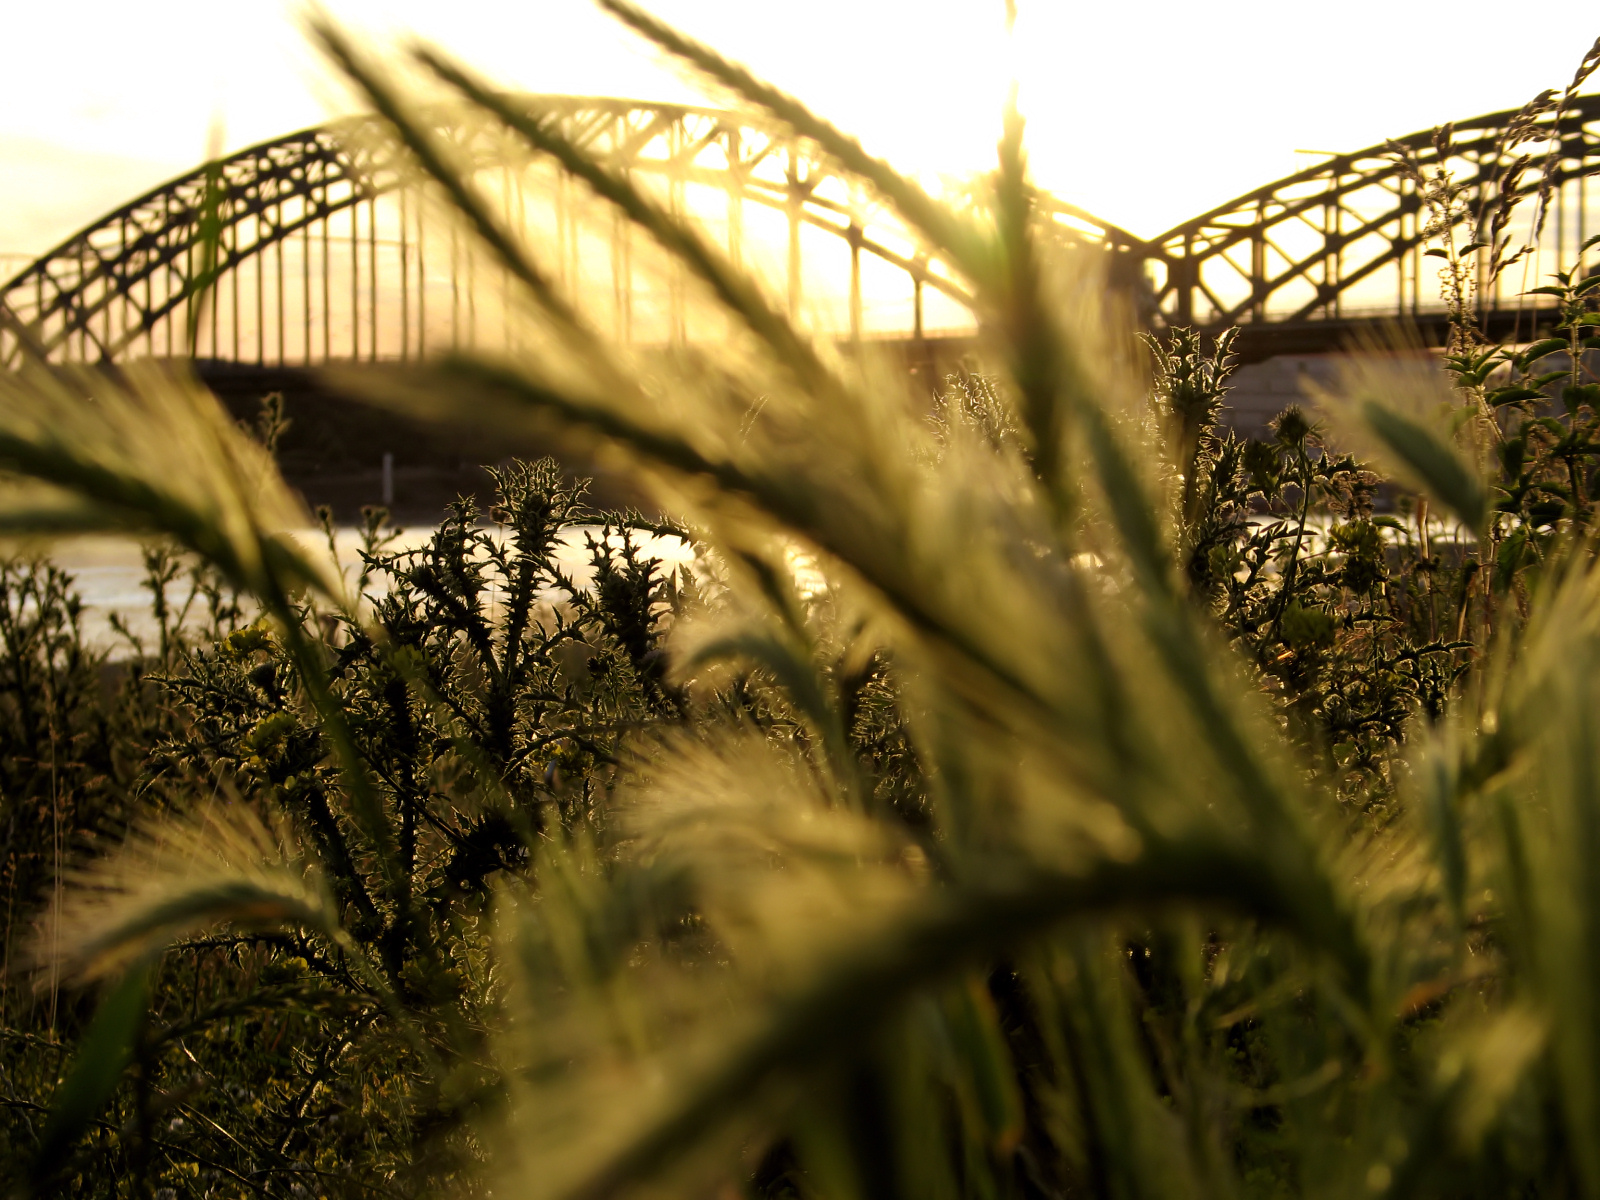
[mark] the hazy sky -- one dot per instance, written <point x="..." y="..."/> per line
<point x="1143" y="111"/>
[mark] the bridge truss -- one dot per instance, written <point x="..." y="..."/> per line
<point x="1343" y="239"/>
<point x="325" y="251"/>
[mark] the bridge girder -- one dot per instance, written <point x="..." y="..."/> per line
<point x="1315" y="241"/>
<point x="1362" y="216"/>
<point x="122" y="284"/>
<point x="144" y="257"/>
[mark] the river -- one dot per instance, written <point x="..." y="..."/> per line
<point x="108" y="572"/>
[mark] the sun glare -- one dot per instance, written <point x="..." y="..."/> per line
<point x="1142" y="123"/>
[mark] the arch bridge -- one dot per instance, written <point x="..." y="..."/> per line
<point x="325" y="253"/>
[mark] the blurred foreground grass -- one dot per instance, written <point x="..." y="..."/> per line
<point x="1002" y="808"/>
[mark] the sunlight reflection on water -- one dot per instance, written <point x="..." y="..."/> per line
<point x="109" y="574"/>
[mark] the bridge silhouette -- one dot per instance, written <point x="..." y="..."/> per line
<point x="325" y="251"/>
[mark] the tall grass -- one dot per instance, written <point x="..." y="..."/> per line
<point x="972" y="859"/>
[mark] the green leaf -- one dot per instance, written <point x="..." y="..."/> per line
<point x="1306" y="628"/>
<point x="974" y="1026"/>
<point x="1582" y="393"/>
<point x="1586" y="286"/>
<point x="102" y="1056"/>
<point x="1498" y="1055"/>
<point x="1435" y="463"/>
<point x="1588" y="319"/>
<point x="1441" y="786"/>
<point x="1515" y="394"/>
<point x="1435" y="252"/>
<point x="1513" y="555"/>
<point x="1589" y="242"/>
<point x="1542" y="349"/>
<point x="1548" y="289"/>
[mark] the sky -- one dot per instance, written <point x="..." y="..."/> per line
<point x="1144" y="112"/>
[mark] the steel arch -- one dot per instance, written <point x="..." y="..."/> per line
<point x="127" y="278"/>
<point x="1362" y="216"/>
<point x="144" y="255"/>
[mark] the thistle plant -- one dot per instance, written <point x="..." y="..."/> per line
<point x="485" y="694"/>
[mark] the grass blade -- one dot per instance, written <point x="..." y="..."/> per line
<point x="736" y="290"/>
<point x="103" y="1054"/>
<point x="965" y="246"/>
<point x="1435" y="464"/>
<point x="453" y="178"/>
<point x="946" y="933"/>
